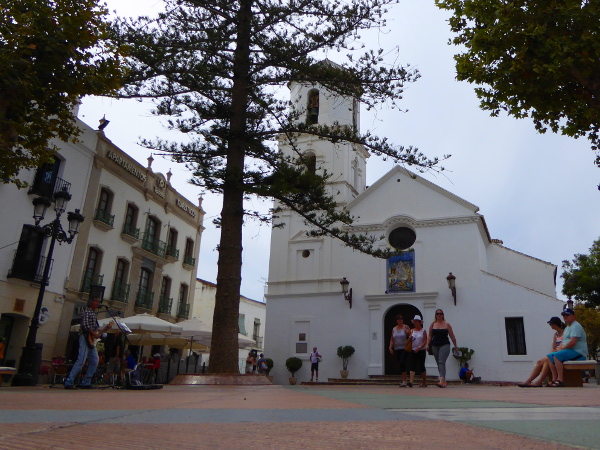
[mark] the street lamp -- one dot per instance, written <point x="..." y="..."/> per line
<point x="347" y="293"/>
<point x="451" y="279"/>
<point x="31" y="357"/>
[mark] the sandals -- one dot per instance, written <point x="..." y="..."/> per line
<point x="557" y="383"/>
<point x="525" y="385"/>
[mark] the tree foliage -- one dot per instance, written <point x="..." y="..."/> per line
<point x="533" y="58"/>
<point x="216" y="69"/>
<point x="53" y="53"/>
<point x="589" y="318"/>
<point x="582" y="277"/>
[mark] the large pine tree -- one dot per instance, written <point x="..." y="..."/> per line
<point x="215" y="68"/>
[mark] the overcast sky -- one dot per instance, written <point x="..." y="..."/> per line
<point x="538" y="193"/>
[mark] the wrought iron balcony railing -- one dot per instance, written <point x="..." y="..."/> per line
<point x="104" y="217"/>
<point x="144" y="299"/>
<point x="132" y="231"/>
<point x="189" y="260"/>
<point x="44" y="189"/>
<point x="120" y="292"/>
<point x="172" y="251"/>
<point x="183" y="311"/>
<point x="26" y="269"/>
<point x="153" y="245"/>
<point x="90" y="278"/>
<point x="165" y="304"/>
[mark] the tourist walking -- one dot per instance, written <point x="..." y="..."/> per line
<point x="400" y="334"/>
<point x="438" y="340"/>
<point x="419" y="352"/>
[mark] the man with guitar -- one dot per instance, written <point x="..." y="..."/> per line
<point x="90" y="332"/>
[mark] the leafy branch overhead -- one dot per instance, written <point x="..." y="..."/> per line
<point x="53" y="53"/>
<point x="218" y="71"/>
<point x="533" y="58"/>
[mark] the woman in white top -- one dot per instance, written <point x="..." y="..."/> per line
<point x="541" y="368"/>
<point x="400" y="334"/>
<point x="419" y="352"/>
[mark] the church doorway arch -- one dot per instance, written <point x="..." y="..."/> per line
<point x="389" y="322"/>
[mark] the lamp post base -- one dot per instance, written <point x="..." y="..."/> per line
<point x="29" y="366"/>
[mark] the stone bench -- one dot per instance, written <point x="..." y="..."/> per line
<point x="6" y="371"/>
<point x="572" y="373"/>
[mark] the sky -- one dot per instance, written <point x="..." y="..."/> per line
<point x="537" y="192"/>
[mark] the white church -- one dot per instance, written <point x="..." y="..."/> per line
<point x="499" y="306"/>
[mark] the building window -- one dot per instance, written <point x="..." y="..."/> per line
<point x="183" y="310"/>
<point x="46" y="180"/>
<point x="104" y="206"/>
<point x="310" y="160"/>
<point x="313" y="106"/>
<point x="189" y="253"/>
<point x="130" y="222"/>
<point x="145" y="297"/>
<point x="515" y="336"/>
<point x="165" y="302"/>
<point x="92" y="267"/>
<point x="172" y="249"/>
<point x="28" y="263"/>
<point x="402" y="238"/>
<point x="120" y="290"/>
<point x="242" y="324"/>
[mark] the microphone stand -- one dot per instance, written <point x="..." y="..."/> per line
<point x="124" y="333"/>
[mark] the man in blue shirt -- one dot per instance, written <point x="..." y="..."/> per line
<point x="573" y="347"/>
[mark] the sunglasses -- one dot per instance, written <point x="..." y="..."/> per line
<point x="439" y="314"/>
<point x="400" y="318"/>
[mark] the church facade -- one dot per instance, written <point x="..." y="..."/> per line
<point x="499" y="307"/>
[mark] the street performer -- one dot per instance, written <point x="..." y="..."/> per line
<point x="90" y="331"/>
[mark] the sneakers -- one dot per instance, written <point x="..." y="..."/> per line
<point x="403" y="384"/>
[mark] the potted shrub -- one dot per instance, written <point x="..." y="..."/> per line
<point x="463" y="355"/>
<point x="269" y="363"/>
<point x="293" y="364"/>
<point x="345" y="352"/>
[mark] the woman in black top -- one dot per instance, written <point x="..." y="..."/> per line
<point x="438" y="342"/>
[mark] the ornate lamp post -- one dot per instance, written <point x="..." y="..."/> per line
<point x="347" y="293"/>
<point x="451" y="279"/>
<point x="31" y="357"/>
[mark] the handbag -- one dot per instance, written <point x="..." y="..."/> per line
<point x="408" y="346"/>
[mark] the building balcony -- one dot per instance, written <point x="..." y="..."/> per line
<point x="44" y="189"/>
<point x="130" y="233"/>
<point x="104" y="217"/>
<point x="120" y="292"/>
<point x="173" y="252"/>
<point x="259" y="341"/>
<point x="154" y="246"/>
<point x="90" y="278"/>
<point x="144" y="299"/>
<point x="189" y="260"/>
<point x="183" y="311"/>
<point x="27" y="269"/>
<point x="165" y="304"/>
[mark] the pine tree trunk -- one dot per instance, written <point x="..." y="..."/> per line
<point x="224" y="347"/>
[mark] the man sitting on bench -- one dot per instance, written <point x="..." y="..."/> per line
<point x="573" y="347"/>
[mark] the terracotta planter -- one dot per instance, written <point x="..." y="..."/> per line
<point x="292" y="380"/>
<point x="344" y="373"/>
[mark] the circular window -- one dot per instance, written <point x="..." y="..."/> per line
<point x="305" y="253"/>
<point x="402" y="238"/>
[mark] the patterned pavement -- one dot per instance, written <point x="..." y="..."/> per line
<point x="294" y="417"/>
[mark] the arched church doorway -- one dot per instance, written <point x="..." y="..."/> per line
<point x="389" y="322"/>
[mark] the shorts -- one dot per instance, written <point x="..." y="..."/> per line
<point x="314" y="366"/>
<point x="567" y="354"/>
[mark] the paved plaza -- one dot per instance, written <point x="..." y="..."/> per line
<point x="301" y="417"/>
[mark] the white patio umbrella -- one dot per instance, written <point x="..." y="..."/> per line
<point x="147" y="323"/>
<point x="202" y="332"/>
<point x="172" y="341"/>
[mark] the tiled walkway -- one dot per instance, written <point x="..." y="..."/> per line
<point x="301" y="417"/>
